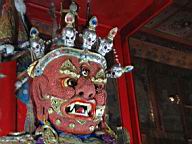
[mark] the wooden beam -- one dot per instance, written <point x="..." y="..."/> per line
<point x="160" y="54"/>
<point x="166" y="36"/>
<point x="188" y="106"/>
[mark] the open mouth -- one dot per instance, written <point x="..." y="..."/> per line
<point x="81" y="109"/>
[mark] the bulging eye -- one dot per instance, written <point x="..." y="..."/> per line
<point x="84" y="72"/>
<point x="69" y="82"/>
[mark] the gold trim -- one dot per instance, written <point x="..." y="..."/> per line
<point x="98" y="81"/>
<point x="71" y="125"/>
<point x="70" y="73"/>
<point x="65" y="51"/>
<point x="30" y="70"/>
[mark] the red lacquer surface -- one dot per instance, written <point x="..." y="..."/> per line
<point x="7" y="98"/>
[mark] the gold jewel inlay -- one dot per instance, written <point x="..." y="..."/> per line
<point x="58" y="122"/>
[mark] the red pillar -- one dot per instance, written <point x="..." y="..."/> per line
<point x="127" y="99"/>
<point x="7" y="97"/>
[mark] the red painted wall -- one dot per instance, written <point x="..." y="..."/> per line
<point x="7" y="98"/>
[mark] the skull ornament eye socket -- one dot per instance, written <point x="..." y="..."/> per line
<point x="72" y="37"/>
<point x="67" y="37"/>
<point x="38" y="46"/>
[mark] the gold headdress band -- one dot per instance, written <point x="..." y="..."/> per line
<point x="38" y="68"/>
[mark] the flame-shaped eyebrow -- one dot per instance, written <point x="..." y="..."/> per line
<point x="100" y="74"/>
<point x="68" y="65"/>
<point x="69" y="69"/>
<point x="100" y="77"/>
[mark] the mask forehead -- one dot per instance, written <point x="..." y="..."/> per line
<point x="53" y="67"/>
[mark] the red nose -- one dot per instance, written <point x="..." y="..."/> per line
<point x="85" y="88"/>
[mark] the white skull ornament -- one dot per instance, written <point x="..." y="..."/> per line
<point x="89" y="35"/>
<point x="7" y="49"/>
<point x="106" y="44"/>
<point x="68" y="36"/>
<point x="37" y="45"/>
<point x="38" y="48"/>
<point x="69" y="32"/>
<point x="117" y="71"/>
<point x="89" y="38"/>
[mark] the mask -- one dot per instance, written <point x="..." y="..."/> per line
<point x="70" y="93"/>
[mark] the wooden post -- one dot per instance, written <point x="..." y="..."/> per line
<point x="127" y="99"/>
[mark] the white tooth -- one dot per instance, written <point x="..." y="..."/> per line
<point x="73" y="112"/>
<point x="71" y="107"/>
<point x="86" y="113"/>
<point x="83" y="111"/>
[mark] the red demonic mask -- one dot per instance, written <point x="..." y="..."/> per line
<point x="68" y="89"/>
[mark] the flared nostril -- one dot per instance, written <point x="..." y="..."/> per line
<point x="85" y="88"/>
<point x="81" y="93"/>
<point x="91" y="96"/>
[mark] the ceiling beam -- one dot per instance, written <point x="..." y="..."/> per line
<point x="166" y="36"/>
<point x="161" y="54"/>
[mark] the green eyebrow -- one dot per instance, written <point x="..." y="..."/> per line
<point x="100" y="77"/>
<point x="69" y="69"/>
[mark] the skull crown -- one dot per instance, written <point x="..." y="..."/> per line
<point x="89" y="35"/>
<point x="90" y="42"/>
